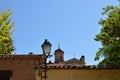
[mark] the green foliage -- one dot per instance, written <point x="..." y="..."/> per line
<point x="6" y="30"/>
<point x="109" y="36"/>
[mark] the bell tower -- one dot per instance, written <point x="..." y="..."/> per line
<point x="59" y="55"/>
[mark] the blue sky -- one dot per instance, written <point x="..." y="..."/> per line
<point x="71" y="23"/>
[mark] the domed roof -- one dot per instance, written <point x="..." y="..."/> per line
<point x="60" y="50"/>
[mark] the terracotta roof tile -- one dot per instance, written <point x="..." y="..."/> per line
<point x="63" y="66"/>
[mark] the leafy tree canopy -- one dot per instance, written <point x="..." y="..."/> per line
<point x="6" y="30"/>
<point x="109" y="36"/>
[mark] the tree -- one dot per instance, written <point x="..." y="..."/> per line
<point x="6" y="31"/>
<point x="109" y="36"/>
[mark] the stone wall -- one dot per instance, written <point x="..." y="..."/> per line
<point x="22" y="66"/>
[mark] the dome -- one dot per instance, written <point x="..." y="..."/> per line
<point x="59" y="50"/>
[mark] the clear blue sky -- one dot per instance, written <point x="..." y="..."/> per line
<point x="71" y="23"/>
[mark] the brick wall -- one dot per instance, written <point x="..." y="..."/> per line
<point x="22" y="66"/>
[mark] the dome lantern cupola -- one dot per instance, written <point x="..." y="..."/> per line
<point x="59" y="55"/>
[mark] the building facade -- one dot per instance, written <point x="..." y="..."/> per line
<point x="19" y="67"/>
<point x="59" y="58"/>
<point x="63" y="72"/>
<point x="75" y="69"/>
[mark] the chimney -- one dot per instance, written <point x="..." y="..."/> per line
<point x="82" y="60"/>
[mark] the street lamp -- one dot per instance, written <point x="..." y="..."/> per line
<point x="46" y="48"/>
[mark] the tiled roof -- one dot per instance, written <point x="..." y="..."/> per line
<point x="20" y="56"/>
<point x="62" y="66"/>
<point x="73" y="61"/>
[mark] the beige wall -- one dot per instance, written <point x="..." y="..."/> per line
<point x="81" y="74"/>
